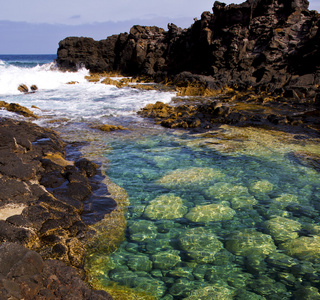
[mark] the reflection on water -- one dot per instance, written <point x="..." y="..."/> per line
<point x="222" y="215"/>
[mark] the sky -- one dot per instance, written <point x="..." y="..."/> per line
<point x="37" y="26"/>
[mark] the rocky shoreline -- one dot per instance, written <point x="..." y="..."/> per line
<point x="263" y="53"/>
<point x="43" y="238"/>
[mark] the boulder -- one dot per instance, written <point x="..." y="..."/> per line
<point x="250" y="242"/>
<point x="201" y="244"/>
<point x="211" y="213"/>
<point x="23" y="88"/>
<point x="167" y="206"/>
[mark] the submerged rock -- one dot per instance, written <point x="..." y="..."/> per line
<point x="142" y="230"/>
<point x="282" y="229"/>
<point x="214" y="292"/>
<point x="261" y="186"/>
<point x="305" y="248"/>
<point x="285" y="200"/>
<point x="165" y="260"/>
<point x="211" y="213"/>
<point x="201" y="244"/>
<point x="191" y="176"/>
<point x="237" y="195"/>
<point x="250" y="242"/>
<point x="166" y="206"/>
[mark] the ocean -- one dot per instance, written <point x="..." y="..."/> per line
<point x="232" y="213"/>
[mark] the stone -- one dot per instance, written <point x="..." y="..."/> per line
<point x="282" y="229"/>
<point x="237" y="195"/>
<point x="142" y="230"/>
<point x="87" y="166"/>
<point x="201" y="244"/>
<point x="250" y="242"/>
<point x="261" y="186"/>
<point x="211" y="213"/>
<point x="191" y="176"/>
<point x="23" y="88"/>
<point x="214" y="292"/>
<point x="305" y="248"/>
<point x="167" y="206"/>
<point x="165" y="260"/>
<point x="33" y="88"/>
<point x="139" y="263"/>
<point x="285" y="200"/>
<point x="25" y="275"/>
<point x="109" y="128"/>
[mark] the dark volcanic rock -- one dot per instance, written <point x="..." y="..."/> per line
<point x="41" y="198"/>
<point x="272" y="44"/>
<point x="24" y="275"/>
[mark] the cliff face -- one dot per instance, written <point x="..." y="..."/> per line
<point x="270" y="43"/>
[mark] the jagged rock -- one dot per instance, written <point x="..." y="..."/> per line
<point x="263" y="43"/>
<point x="17" y="108"/>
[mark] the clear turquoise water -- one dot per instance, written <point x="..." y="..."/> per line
<point x="228" y="215"/>
<point x="175" y="249"/>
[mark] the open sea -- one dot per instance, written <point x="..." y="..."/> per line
<point x="232" y="213"/>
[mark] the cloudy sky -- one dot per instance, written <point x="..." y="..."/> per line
<point x="37" y="26"/>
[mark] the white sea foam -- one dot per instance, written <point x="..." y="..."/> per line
<point x="44" y="77"/>
<point x="83" y="101"/>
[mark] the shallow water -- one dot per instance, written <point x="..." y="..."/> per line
<point x="228" y="214"/>
<point x="200" y="215"/>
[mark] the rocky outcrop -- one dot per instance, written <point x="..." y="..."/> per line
<point x="42" y="196"/>
<point x="269" y="44"/>
<point x="17" y="108"/>
<point x="25" y="275"/>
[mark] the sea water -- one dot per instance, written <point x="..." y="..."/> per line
<point x="232" y="213"/>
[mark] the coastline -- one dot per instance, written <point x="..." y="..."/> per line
<point x="42" y="197"/>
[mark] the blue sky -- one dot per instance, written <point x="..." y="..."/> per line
<point x="37" y="26"/>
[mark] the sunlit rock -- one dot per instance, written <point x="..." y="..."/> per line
<point x="250" y="242"/>
<point x="166" y="206"/>
<point x="261" y="186"/>
<point x="306" y="248"/>
<point x="192" y="176"/>
<point x="284" y="200"/>
<point x="166" y="260"/>
<point x="237" y="195"/>
<point x="23" y="88"/>
<point x="142" y="230"/>
<point x="282" y="229"/>
<point x="211" y="212"/>
<point x="34" y="88"/>
<point x="213" y="292"/>
<point x="201" y="244"/>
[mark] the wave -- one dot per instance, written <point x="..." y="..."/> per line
<point x="46" y="76"/>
